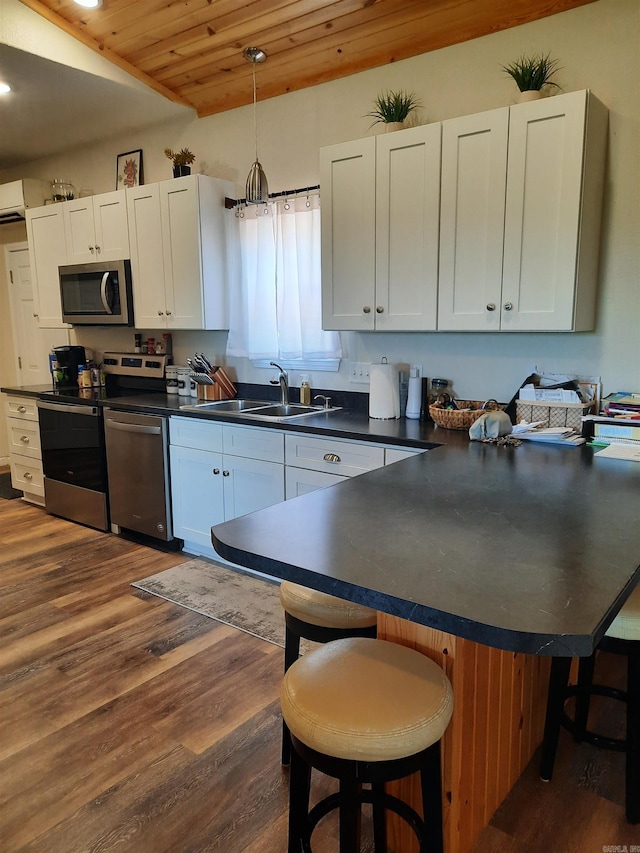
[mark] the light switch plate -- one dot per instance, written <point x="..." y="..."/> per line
<point x="359" y="372"/>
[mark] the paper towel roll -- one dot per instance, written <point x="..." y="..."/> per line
<point x="414" y="398"/>
<point x="384" y="401"/>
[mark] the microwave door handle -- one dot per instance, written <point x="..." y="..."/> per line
<point x="103" y="293"/>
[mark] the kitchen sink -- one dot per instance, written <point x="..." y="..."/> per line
<point x="258" y="409"/>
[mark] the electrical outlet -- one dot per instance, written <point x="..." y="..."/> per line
<point x="359" y="372"/>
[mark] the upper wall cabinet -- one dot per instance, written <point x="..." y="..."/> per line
<point x="380" y="208"/>
<point x="182" y="245"/>
<point x="47" y="251"/>
<point x="520" y="218"/>
<point x="96" y="228"/>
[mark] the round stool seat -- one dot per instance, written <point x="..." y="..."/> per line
<point x="362" y="699"/>
<point x="318" y="608"/>
<point x="626" y="625"/>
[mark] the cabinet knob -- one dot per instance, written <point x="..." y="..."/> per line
<point x="491" y="306"/>
<point x="379" y="309"/>
<point x="225" y="473"/>
<point x="98" y="250"/>
<point x="24" y="439"/>
<point x="331" y="457"/>
<point x="367" y="309"/>
<point x="168" y="313"/>
<point x="22" y="408"/>
<point x="91" y="249"/>
<point x="508" y="306"/>
<point x="216" y="470"/>
<point x="160" y="313"/>
<point x="28" y="475"/>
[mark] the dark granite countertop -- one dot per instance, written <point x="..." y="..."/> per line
<point x="531" y="549"/>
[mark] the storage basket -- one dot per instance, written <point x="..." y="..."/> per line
<point x="552" y="414"/>
<point x="456" y="419"/>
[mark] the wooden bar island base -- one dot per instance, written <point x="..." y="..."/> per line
<point x="497" y="725"/>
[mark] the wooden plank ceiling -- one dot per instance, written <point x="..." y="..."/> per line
<point x="191" y="51"/>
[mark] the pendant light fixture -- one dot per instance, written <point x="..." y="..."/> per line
<point x="257" y="189"/>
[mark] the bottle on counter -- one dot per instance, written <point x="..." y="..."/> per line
<point x="414" y="396"/>
<point x="53" y="366"/>
<point x="305" y="391"/>
<point x="137" y="345"/>
<point x="151" y="346"/>
<point x="168" y="343"/>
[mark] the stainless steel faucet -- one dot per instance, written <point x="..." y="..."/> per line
<point x="283" y="381"/>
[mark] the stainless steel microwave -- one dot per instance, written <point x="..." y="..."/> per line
<point x="97" y="294"/>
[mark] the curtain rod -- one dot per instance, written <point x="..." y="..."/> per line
<point x="230" y="203"/>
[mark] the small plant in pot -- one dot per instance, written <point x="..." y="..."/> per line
<point x="181" y="160"/>
<point x="392" y="108"/>
<point x="531" y="74"/>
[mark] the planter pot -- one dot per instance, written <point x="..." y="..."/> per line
<point x="530" y="95"/>
<point x="390" y="126"/>
<point x="181" y="171"/>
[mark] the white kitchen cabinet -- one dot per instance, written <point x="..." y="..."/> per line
<point x="182" y="253"/>
<point x="47" y="251"/>
<point x="380" y="216"/>
<point x="219" y="472"/>
<point x="24" y="447"/>
<point x="96" y="228"/>
<point x="520" y="218"/>
<point x="300" y="481"/>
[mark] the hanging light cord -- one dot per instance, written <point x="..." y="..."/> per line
<point x="255" y="121"/>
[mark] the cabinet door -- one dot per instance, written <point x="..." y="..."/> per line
<point x="250" y="485"/>
<point x="147" y="265"/>
<point x="79" y="231"/>
<point x="47" y="251"/>
<point x="196" y="494"/>
<point x="474" y="168"/>
<point x="407" y="228"/>
<point x="543" y="213"/>
<point x="299" y="481"/>
<point x="181" y="252"/>
<point x="111" y="226"/>
<point x="347" y="178"/>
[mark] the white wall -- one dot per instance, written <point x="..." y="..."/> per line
<point x="597" y="48"/>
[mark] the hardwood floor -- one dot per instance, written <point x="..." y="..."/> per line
<point x="128" y="723"/>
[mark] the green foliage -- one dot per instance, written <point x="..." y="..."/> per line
<point x="532" y="72"/>
<point x="393" y="106"/>
<point x="180" y="158"/>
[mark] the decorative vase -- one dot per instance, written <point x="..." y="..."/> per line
<point x="181" y="171"/>
<point x="390" y="126"/>
<point x="530" y="95"/>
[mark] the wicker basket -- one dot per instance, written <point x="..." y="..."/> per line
<point x="456" y="419"/>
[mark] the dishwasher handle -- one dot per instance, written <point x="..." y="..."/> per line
<point x="139" y="428"/>
<point x="73" y="409"/>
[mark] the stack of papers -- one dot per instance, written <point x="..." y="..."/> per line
<point x="552" y="435"/>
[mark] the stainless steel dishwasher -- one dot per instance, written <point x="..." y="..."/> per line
<point x="138" y="472"/>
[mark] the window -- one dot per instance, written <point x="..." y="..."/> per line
<point x="277" y="311"/>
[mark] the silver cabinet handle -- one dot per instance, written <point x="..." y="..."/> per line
<point x="225" y="473"/>
<point x="22" y="408"/>
<point x="331" y="457"/>
<point x="379" y="309"/>
<point x="24" y="439"/>
<point x="491" y="306"/>
<point x="367" y="309"/>
<point x="216" y="470"/>
<point x="508" y="306"/>
<point x="28" y="475"/>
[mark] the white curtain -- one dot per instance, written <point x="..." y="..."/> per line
<point x="277" y="312"/>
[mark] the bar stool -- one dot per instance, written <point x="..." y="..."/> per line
<point x="622" y="638"/>
<point x="365" y="711"/>
<point x="320" y="618"/>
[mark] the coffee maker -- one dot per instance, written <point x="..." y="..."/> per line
<point x="68" y="359"/>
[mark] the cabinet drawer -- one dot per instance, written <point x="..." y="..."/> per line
<point x="199" y="434"/>
<point x="333" y="457"/>
<point x="24" y="437"/>
<point x="299" y="481"/>
<point x="26" y="475"/>
<point x="253" y="443"/>
<point x="22" y="407"/>
<point x="395" y="454"/>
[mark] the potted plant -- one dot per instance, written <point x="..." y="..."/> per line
<point x="181" y="160"/>
<point x="392" y="108"/>
<point x="531" y="73"/>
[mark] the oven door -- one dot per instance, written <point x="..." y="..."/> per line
<point x="74" y="462"/>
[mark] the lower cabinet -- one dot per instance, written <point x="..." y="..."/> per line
<point x="219" y="472"/>
<point x="24" y="445"/>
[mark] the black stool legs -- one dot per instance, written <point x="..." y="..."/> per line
<point x="558" y="681"/>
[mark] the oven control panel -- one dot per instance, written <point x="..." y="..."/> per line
<point x="135" y="364"/>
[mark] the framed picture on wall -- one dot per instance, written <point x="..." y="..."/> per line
<point x="129" y="170"/>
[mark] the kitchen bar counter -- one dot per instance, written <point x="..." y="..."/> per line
<point x="487" y="559"/>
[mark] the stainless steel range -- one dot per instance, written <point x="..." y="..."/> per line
<point x="74" y="447"/>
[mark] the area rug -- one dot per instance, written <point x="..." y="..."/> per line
<point x="6" y="490"/>
<point x="239" y="599"/>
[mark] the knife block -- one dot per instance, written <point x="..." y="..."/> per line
<point x="221" y="389"/>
